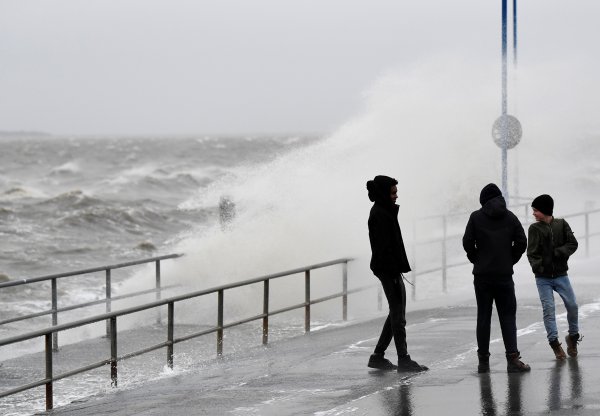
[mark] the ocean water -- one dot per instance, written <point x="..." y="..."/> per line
<point x="70" y="203"/>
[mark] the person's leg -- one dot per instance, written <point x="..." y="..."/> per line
<point x="399" y="325"/>
<point x="565" y="290"/>
<point x="485" y="301"/>
<point x="545" y="289"/>
<point x="395" y="323"/>
<point x="377" y="359"/>
<point x="385" y="338"/>
<point x="506" y="304"/>
<point x="395" y="293"/>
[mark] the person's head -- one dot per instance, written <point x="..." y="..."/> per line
<point x="543" y="207"/>
<point x="383" y="189"/>
<point x="490" y="191"/>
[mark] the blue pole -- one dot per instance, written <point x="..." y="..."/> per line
<point x="515" y="33"/>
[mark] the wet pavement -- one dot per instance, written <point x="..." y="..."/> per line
<point x="325" y="373"/>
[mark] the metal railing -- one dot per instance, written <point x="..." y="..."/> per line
<point x="112" y="317"/>
<point x="55" y="310"/>
<point x="445" y="240"/>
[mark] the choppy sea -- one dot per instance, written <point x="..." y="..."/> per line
<point x="68" y="203"/>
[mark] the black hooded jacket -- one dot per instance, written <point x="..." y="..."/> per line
<point x="388" y="255"/>
<point x="494" y="240"/>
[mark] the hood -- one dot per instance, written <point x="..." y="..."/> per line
<point x="379" y="190"/>
<point x="495" y="207"/>
<point x="488" y="192"/>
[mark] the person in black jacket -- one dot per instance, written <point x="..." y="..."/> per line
<point x="388" y="262"/>
<point x="494" y="240"/>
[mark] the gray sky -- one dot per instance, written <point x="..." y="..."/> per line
<point x="242" y="66"/>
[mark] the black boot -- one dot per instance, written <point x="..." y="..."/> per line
<point x="405" y="364"/>
<point x="484" y="362"/>
<point x="379" y="362"/>
<point x="514" y="363"/>
<point x="572" y="341"/>
<point x="559" y="353"/>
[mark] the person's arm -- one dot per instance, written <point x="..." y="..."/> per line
<point x="469" y="241"/>
<point x="380" y="238"/>
<point x="570" y="245"/>
<point x="534" y="249"/>
<point x="519" y="242"/>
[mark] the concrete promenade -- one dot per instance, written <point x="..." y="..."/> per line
<point x="325" y="373"/>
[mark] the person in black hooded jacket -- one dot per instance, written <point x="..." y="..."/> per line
<point x="494" y="240"/>
<point x="388" y="262"/>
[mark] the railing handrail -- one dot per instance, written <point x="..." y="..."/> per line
<point x="162" y="302"/>
<point x="84" y="305"/>
<point x="452" y="236"/>
<point x="459" y="213"/>
<point x="111" y="318"/>
<point x="17" y="282"/>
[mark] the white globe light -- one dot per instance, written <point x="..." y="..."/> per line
<point x="512" y="126"/>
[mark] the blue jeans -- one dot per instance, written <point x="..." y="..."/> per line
<point x="562" y="286"/>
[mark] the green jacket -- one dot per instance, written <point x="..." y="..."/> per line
<point x="549" y="247"/>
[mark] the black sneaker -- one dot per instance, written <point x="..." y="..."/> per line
<point x="379" y="362"/>
<point x="405" y="364"/>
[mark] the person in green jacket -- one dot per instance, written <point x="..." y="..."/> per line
<point x="550" y="244"/>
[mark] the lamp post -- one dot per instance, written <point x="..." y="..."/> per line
<point x="506" y="130"/>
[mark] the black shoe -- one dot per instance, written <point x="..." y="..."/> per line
<point x="379" y="362"/>
<point x="405" y="364"/>
<point x="514" y="363"/>
<point x="484" y="363"/>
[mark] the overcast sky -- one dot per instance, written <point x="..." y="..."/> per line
<point x="243" y="66"/>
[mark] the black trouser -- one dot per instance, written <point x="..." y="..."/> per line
<point x="395" y="324"/>
<point x="503" y="293"/>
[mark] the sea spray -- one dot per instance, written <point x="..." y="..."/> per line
<point x="425" y="127"/>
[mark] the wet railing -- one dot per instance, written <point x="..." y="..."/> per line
<point x="54" y="278"/>
<point x="171" y="340"/>
<point x="447" y="239"/>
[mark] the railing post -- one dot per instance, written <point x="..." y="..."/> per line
<point x="220" y="323"/>
<point x="158" y="289"/>
<point x="526" y="214"/>
<point x="108" y="299"/>
<point x="113" y="351"/>
<point x="345" y="291"/>
<point x="170" y="333"/>
<point x="307" y="301"/>
<point x="265" y="329"/>
<point x="414" y="262"/>
<point x="444" y="261"/>
<point x="54" y="315"/>
<point x="587" y="234"/>
<point x="49" y="376"/>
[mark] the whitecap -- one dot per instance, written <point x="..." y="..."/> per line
<point x="66" y="168"/>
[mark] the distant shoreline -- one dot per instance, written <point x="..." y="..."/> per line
<point x="23" y="133"/>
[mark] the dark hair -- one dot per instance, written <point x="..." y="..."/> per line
<point x="380" y="188"/>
